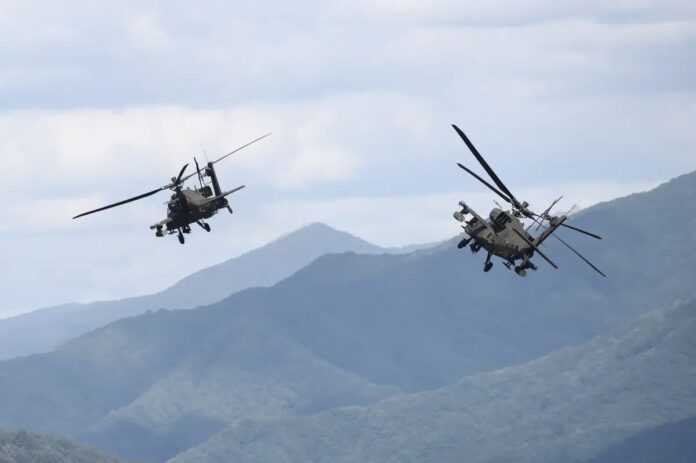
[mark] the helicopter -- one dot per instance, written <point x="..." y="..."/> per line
<point x="188" y="206"/>
<point x="503" y="234"/>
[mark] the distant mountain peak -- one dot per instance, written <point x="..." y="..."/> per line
<point x="318" y="230"/>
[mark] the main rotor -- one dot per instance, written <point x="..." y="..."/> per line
<point x="521" y="208"/>
<point x="176" y="182"/>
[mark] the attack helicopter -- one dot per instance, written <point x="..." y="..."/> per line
<point x="186" y="205"/>
<point x="503" y="234"/>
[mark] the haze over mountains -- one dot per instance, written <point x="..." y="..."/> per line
<point x="562" y="407"/>
<point x="30" y="447"/>
<point x="352" y="330"/>
<point x="45" y="329"/>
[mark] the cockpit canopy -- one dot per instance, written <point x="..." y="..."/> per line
<point x="206" y="191"/>
<point x="500" y="217"/>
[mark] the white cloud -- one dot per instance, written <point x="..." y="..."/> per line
<point x="498" y="12"/>
<point x="102" y="101"/>
<point x="147" y="34"/>
<point x="321" y="163"/>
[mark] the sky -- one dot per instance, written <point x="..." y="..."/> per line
<point x="101" y="101"/>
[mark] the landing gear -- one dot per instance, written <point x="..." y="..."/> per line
<point x="204" y="225"/>
<point x="181" y="237"/>
<point x="521" y="269"/>
<point x="463" y="243"/>
<point x="159" y="233"/>
<point x="489" y="265"/>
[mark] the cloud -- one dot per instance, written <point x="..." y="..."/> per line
<point x="147" y="34"/>
<point x="501" y="12"/>
<point x="224" y="54"/>
<point x="105" y="101"/>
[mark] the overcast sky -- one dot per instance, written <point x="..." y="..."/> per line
<point x="105" y="100"/>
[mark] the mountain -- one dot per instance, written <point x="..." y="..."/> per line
<point x="349" y="329"/>
<point x="44" y="329"/>
<point x="671" y="442"/>
<point x="148" y="387"/>
<point x="563" y="407"/>
<point x="29" y="447"/>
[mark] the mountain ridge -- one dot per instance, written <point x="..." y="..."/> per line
<point x="44" y="329"/>
<point x="508" y="415"/>
<point x="29" y="447"/>
<point x="385" y="324"/>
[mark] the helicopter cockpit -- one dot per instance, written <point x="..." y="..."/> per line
<point x="206" y="191"/>
<point x="499" y="218"/>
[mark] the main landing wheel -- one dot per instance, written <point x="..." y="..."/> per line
<point x="181" y="238"/>
<point x="488" y="266"/>
<point x="206" y="227"/>
<point x="520" y="271"/>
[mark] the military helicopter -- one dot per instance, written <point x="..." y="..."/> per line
<point x="188" y="206"/>
<point x="503" y="234"/>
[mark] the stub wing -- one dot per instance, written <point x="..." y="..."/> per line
<point x="222" y="195"/>
<point x="161" y="224"/>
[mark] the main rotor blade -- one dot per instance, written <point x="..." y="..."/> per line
<point x="231" y="153"/>
<point x="144" y="195"/>
<point x="494" y="189"/>
<point x="580" y="256"/>
<point x="581" y="231"/>
<point x="485" y="165"/>
<point x="535" y="248"/>
<point x="240" y="148"/>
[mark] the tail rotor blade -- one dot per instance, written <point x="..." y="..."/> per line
<point x="198" y="171"/>
<point x="545" y="214"/>
<point x="181" y="173"/>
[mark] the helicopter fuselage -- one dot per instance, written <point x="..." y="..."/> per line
<point x="503" y="234"/>
<point x="189" y="206"/>
<point x="497" y="234"/>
